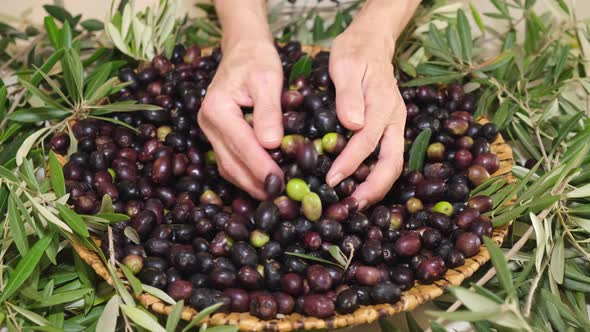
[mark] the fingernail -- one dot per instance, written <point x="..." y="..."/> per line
<point x="334" y="180"/>
<point x="356" y="118"/>
<point x="362" y="204"/>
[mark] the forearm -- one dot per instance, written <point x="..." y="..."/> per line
<point x="242" y="21"/>
<point x="385" y="17"/>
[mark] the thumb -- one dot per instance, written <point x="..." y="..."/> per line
<point x="265" y="90"/>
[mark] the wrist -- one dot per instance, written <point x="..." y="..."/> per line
<point x="242" y="22"/>
<point x="386" y="18"/>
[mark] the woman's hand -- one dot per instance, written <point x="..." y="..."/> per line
<point x="250" y="74"/>
<point x="368" y="102"/>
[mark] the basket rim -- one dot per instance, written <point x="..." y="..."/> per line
<point x="410" y="299"/>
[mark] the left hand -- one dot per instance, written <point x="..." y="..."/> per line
<point x="369" y="103"/>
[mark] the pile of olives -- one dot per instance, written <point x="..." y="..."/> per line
<point x="204" y="241"/>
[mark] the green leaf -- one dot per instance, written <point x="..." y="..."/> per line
<point x="56" y="175"/>
<point x="301" y="68"/>
<point x="43" y="211"/>
<point x="464" y="315"/>
<point x="28" y="143"/>
<point x="418" y="150"/>
<point x="387" y="326"/>
<point x="318" y="28"/>
<point x="474" y="301"/>
<point x="60" y="14"/>
<point x="65" y="297"/>
<point x="204" y="313"/>
<point x="336" y="27"/>
<point x="92" y="25"/>
<point x="223" y="328"/>
<point x="454" y="44"/>
<point x="464" y="30"/>
<point x="434" y="80"/>
<point x="174" y="317"/>
<point x="25" y="268"/>
<point x="17" y="227"/>
<point x="40" y="94"/>
<point x="112" y="217"/>
<point x="66" y="35"/>
<point x="73" y="74"/>
<point x="413" y="325"/>
<point x="158" y="293"/>
<point x="107" y="321"/>
<point x="565" y="129"/>
<point x="52" y="32"/>
<point x="206" y="26"/>
<point x="106" y="206"/>
<point x="336" y="253"/>
<point x="557" y="263"/>
<point x="36" y="114"/>
<point x="73" y="220"/>
<point x="502" y="271"/>
<point x="30" y="315"/>
<point x="126" y="106"/>
<point x="477" y="18"/>
<point x="141" y="318"/>
<point x="132" y="279"/>
<point x="312" y="258"/>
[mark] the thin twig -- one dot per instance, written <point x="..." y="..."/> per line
<point x="15" y="104"/>
<point x="534" y="284"/>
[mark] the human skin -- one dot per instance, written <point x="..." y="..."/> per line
<point x="368" y="101"/>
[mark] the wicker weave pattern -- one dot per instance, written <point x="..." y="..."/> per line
<point x="410" y="299"/>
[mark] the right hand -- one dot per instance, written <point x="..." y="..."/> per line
<point x="250" y="74"/>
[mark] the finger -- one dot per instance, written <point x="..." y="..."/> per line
<point x="242" y="142"/>
<point x="350" y="105"/>
<point x="265" y="89"/>
<point x="364" y="141"/>
<point x="387" y="169"/>
<point x="230" y="167"/>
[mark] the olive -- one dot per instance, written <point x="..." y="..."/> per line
<point x="330" y="230"/>
<point x="480" y="203"/>
<point x="431" y="238"/>
<point x="272" y="274"/>
<point x="381" y="217"/>
<point x="455" y="258"/>
<point x="243" y="254"/>
<point x="86" y="203"/>
<point x="297" y="189"/>
<point x="263" y="306"/>
<point x="482" y="226"/>
<point x="318" y="278"/>
<point x="249" y="278"/>
<point x="386" y="292"/>
<point x="430" y="269"/>
<point x="133" y="262"/>
<point x="489" y="161"/>
<point x="431" y="190"/>
<point x="468" y="243"/>
<point x="312" y="240"/>
<point x="408" y="244"/>
<point x="439" y="221"/>
<point x="477" y="174"/>
<point x="222" y="278"/>
<point x="318" y="305"/>
<point x="292" y="283"/>
<point x="358" y="223"/>
<point x="311" y="206"/>
<point x="372" y="252"/>
<point x="347" y="301"/>
<point x="346" y="187"/>
<point x="266" y="215"/>
<point x="489" y="131"/>
<point x="285" y="303"/>
<point x="463" y="159"/>
<point x="60" y="142"/>
<point x="221" y="244"/>
<point x="270" y="250"/>
<point x="368" y="275"/>
<point x="327" y="195"/>
<point x="180" y="290"/>
<point x="240" y="300"/>
<point x="273" y="185"/>
<point x="144" y="222"/>
<point x="435" y="152"/>
<point x="284" y="233"/>
<point x="153" y="277"/>
<point x="403" y="276"/>
<point x="307" y="156"/>
<point x="288" y="208"/>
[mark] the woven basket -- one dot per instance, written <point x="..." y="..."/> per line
<point x="410" y="299"/>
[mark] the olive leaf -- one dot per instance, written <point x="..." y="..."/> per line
<point x="418" y="150"/>
<point x="301" y="68"/>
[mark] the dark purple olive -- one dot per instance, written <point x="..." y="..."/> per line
<point x="153" y="277"/>
<point x="465" y="218"/>
<point x="463" y="159"/>
<point x="468" y="243"/>
<point x="292" y="283"/>
<point x="318" y="305"/>
<point x="243" y="254"/>
<point x="266" y="215"/>
<point x="180" y="290"/>
<point x="403" y="276"/>
<point x="273" y="185"/>
<point x="318" y="278"/>
<point x="249" y="278"/>
<point x="482" y="226"/>
<point x="431" y="269"/>
<point x="480" y="203"/>
<point x="144" y="222"/>
<point x="386" y="292"/>
<point x="431" y="190"/>
<point x="291" y="100"/>
<point x="368" y="275"/>
<point x="240" y="300"/>
<point x="408" y="244"/>
<point x="263" y="306"/>
<point x="477" y="174"/>
<point x="455" y="258"/>
<point x="489" y="161"/>
<point x="60" y="142"/>
<point x="489" y="131"/>
<point x="222" y="278"/>
<point x="285" y="303"/>
<point x="347" y="301"/>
